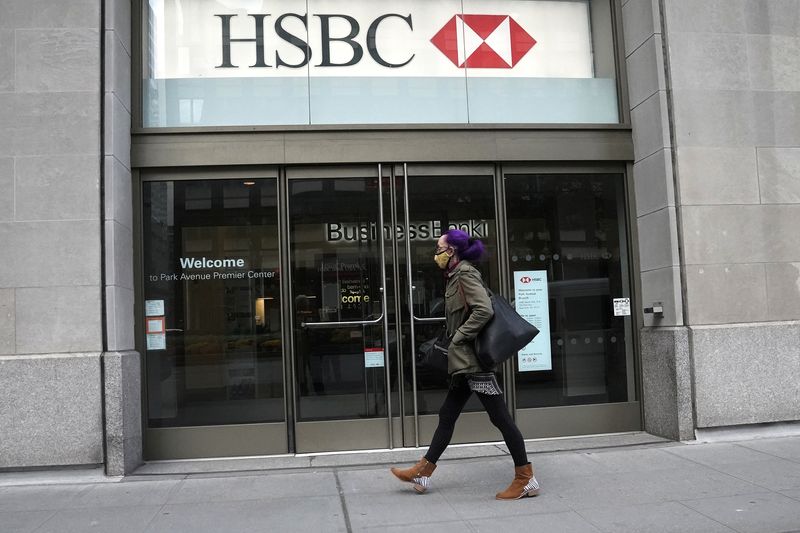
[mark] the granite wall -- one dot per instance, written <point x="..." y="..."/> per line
<point x="715" y="96"/>
<point x="50" y="338"/>
<point x="65" y="226"/>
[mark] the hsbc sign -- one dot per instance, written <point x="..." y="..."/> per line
<point x="483" y="41"/>
<point x="403" y="38"/>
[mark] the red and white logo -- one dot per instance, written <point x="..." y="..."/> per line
<point x="483" y="41"/>
<point x="525" y="279"/>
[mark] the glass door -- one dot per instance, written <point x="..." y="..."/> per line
<point x="212" y="315"/>
<point x="434" y="199"/>
<point x="339" y="298"/>
<point x="364" y="289"/>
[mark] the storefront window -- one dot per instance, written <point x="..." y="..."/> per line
<point x="301" y="62"/>
<point x="212" y="302"/>
<point x="569" y="231"/>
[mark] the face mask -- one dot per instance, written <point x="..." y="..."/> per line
<point x="442" y="259"/>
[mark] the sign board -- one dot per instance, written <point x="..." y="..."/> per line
<point x="403" y="38"/>
<point x="373" y="358"/>
<point x="156" y="341"/>
<point x="622" y="307"/>
<point x="155" y="325"/>
<point x="532" y="303"/>
<point x="154" y="307"/>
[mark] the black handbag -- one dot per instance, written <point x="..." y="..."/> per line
<point x="505" y="334"/>
<point x="432" y="355"/>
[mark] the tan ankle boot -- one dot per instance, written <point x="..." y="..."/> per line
<point x="419" y="474"/>
<point x="524" y="484"/>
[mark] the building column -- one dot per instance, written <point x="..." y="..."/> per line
<point x="121" y="363"/>
<point x="664" y="340"/>
<point x="50" y="254"/>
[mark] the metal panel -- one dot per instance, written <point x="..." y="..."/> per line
<point x="215" y="441"/>
<point x="353" y="171"/>
<point x="266" y="148"/>
<point x="384" y="308"/>
<point x="564" y="146"/>
<point x="289" y="398"/>
<point x="449" y="170"/>
<point x="138" y="298"/>
<point x="182" y="174"/>
<point x="602" y="33"/>
<point x="512" y="169"/>
<point x="637" y="319"/>
<point x="546" y="422"/>
<point x="505" y="282"/>
<point x="343" y="435"/>
<point x="623" y="100"/>
<point x="471" y="427"/>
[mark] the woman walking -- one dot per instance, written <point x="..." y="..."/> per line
<point x="468" y="309"/>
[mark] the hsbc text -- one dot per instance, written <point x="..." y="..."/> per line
<point x="351" y="39"/>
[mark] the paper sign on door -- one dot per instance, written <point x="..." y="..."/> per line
<point x="373" y="357"/>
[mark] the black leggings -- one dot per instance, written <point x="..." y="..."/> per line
<point x="495" y="406"/>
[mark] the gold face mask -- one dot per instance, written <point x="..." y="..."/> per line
<point x="442" y="259"/>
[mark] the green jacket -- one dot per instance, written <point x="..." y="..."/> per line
<point x="465" y="319"/>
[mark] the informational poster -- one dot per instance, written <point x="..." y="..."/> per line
<point x="531" y="299"/>
<point x="154" y="307"/>
<point x="622" y="307"/>
<point x="373" y="358"/>
<point x="156" y="341"/>
<point x="155" y="325"/>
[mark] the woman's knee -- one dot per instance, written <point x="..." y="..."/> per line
<point x="499" y="420"/>
<point x="447" y="419"/>
<point x="499" y="415"/>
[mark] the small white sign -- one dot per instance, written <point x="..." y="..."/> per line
<point x="622" y="307"/>
<point x="154" y="307"/>
<point x="373" y="357"/>
<point x="156" y="341"/>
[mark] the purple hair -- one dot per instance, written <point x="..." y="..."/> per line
<point x="469" y="248"/>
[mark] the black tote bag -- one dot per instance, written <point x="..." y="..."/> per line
<point x="505" y="334"/>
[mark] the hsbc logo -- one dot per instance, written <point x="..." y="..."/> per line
<point x="483" y="41"/>
<point x="525" y="279"/>
<point x="467" y="40"/>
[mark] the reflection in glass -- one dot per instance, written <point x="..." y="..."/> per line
<point x="437" y="204"/>
<point x="336" y="277"/>
<point x="211" y="261"/>
<point x="572" y="227"/>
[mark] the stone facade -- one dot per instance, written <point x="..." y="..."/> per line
<point x="717" y="87"/>
<point x="54" y="325"/>
<point x="49" y="234"/>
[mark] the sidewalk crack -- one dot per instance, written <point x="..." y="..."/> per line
<point x="343" y="502"/>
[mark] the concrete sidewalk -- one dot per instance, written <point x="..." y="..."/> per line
<point x="745" y="486"/>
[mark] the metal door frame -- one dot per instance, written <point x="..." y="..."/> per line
<point x="190" y="442"/>
<point x="277" y="438"/>
<point x="334" y="433"/>
<point x="585" y="419"/>
<point x="472" y="426"/>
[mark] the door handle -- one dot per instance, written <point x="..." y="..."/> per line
<point x="435" y="320"/>
<point x="342" y="324"/>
